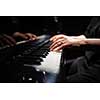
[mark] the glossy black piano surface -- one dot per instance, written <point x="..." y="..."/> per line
<point x="12" y="60"/>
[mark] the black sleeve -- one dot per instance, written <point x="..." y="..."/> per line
<point x="92" y="29"/>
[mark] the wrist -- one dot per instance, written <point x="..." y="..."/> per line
<point x="79" y="40"/>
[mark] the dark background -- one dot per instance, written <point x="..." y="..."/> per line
<point x="71" y="25"/>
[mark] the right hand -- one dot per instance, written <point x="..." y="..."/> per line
<point x="61" y="41"/>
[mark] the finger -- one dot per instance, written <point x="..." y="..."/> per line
<point x="57" y="42"/>
<point x="28" y="35"/>
<point x="7" y="42"/>
<point x="31" y="36"/>
<point x="61" y="47"/>
<point x="56" y="45"/>
<point x="12" y="40"/>
<point x="55" y="38"/>
<point x="23" y="36"/>
<point x="34" y="36"/>
<point x="53" y="47"/>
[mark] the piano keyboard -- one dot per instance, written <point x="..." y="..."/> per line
<point x="49" y="64"/>
<point x="29" y="59"/>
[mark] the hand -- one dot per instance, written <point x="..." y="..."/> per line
<point x="25" y="36"/>
<point x="31" y="36"/>
<point x="61" y="41"/>
<point x="7" y="40"/>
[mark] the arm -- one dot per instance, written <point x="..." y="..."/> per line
<point x="92" y="41"/>
<point x="61" y="41"/>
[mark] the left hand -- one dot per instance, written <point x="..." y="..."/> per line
<point x="31" y="36"/>
<point x="26" y="36"/>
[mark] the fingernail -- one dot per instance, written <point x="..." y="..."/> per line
<point x="55" y="50"/>
<point x="50" y="49"/>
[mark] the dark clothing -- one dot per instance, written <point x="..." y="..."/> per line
<point x="93" y="29"/>
<point x="83" y="70"/>
<point x="74" y="25"/>
<point x="87" y="67"/>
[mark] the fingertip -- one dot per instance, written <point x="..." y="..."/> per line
<point x="55" y="50"/>
<point x="51" y="39"/>
<point x="33" y="39"/>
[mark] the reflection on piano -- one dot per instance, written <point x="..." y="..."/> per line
<point x="28" y="61"/>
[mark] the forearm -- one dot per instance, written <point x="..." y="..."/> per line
<point x="90" y="41"/>
<point x="82" y="40"/>
<point x="61" y="41"/>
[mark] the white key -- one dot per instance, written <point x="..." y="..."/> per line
<point x="51" y="63"/>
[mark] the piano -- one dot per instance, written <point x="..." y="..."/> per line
<point x="29" y="61"/>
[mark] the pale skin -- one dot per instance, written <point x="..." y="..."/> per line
<point x="61" y="41"/>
